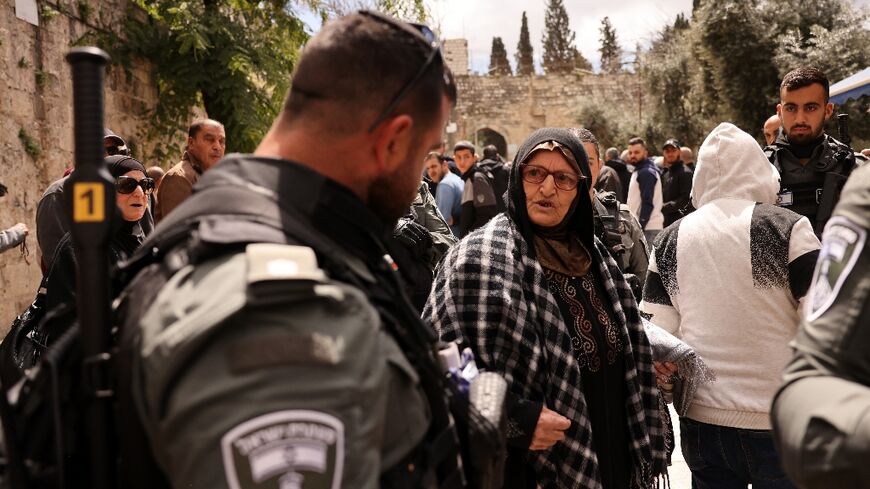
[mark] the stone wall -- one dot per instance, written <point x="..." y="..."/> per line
<point x="514" y="106"/>
<point x="36" y="102"/>
<point x="456" y="55"/>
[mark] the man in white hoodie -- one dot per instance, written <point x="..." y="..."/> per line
<point x="727" y="279"/>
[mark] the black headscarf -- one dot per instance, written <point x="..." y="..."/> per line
<point x="118" y="165"/>
<point x="578" y="221"/>
<point x="127" y="235"/>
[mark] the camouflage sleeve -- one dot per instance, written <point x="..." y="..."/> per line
<point x="260" y="379"/>
<point x="821" y="415"/>
<point x="638" y="258"/>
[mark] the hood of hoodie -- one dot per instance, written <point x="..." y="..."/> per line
<point x="581" y="221"/>
<point x="731" y="165"/>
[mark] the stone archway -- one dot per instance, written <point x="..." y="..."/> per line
<point x="486" y="136"/>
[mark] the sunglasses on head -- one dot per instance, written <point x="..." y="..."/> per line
<point x="127" y="185"/>
<point x="424" y="34"/>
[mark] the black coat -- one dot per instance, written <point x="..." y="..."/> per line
<point x="624" y="177"/>
<point x="61" y="284"/>
<point x="676" y="191"/>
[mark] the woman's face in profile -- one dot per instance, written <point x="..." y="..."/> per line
<point x="547" y="203"/>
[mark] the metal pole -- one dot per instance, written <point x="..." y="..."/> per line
<point x="90" y="195"/>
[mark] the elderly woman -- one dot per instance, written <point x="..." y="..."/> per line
<point x="540" y="301"/>
<point x="132" y="189"/>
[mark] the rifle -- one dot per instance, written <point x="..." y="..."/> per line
<point x="90" y="194"/>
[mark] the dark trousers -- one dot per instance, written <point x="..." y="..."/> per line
<point x="731" y="458"/>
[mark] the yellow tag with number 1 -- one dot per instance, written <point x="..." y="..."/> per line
<point x="89" y="202"/>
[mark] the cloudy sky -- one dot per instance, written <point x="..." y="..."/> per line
<point x="478" y="21"/>
<point x="635" y="21"/>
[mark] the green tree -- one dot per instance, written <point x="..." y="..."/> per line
<point x="671" y="82"/>
<point x="681" y="22"/>
<point x="580" y="61"/>
<point x="233" y="59"/>
<point x="410" y="10"/>
<point x="525" y="56"/>
<point x="560" y="54"/>
<point x="733" y="40"/>
<point x="611" y="53"/>
<point x="498" y="60"/>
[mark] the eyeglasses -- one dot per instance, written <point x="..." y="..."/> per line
<point x="566" y="181"/>
<point x="424" y="33"/>
<point x="127" y="185"/>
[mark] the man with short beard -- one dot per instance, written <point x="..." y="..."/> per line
<point x="272" y="341"/>
<point x="479" y="202"/>
<point x="448" y="194"/>
<point x="645" y="190"/>
<point x="676" y="183"/>
<point x="813" y="165"/>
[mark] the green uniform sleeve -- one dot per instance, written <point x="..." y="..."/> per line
<point x="638" y="257"/>
<point x="252" y="382"/>
<point x="821" y="415"/>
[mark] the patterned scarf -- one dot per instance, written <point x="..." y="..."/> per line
<point x="492" y="294"/>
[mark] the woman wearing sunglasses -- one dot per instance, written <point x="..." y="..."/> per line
<point x="540" y="301"/>
<point x="132" y="189"/>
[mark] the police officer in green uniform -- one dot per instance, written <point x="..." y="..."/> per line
<point x="620" y="231"/>
<point x="615" y="225"/>
<point x="425" y="237"/>
<point x="813" y="166"/>
<point x="821" y="415"/>
<point x="272" y="343"/>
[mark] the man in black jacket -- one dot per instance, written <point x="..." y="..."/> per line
<point x="479" y="202"/>
<point x="676" y="183"/>
<point x="614" y="161"/>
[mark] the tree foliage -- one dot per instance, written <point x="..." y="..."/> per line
<point x="560" y="54"/>
<point x="408" y="10"/>
<point x="498" y="60"/>
<point x="611" y="52"/>
<point x="233" y="59"/>
<point x="726" y="62"/>
<point x="525" y="56"/>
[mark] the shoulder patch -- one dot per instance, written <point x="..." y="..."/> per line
<point x="842" y="244"/>
<point x="298" y="449"/>
<point x="267" y="261"/>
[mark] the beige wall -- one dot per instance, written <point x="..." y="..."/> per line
<point x="517" y="105"/>
<point x="45" y="113"/>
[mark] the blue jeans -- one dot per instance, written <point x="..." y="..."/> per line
<point x="731" y="458"/>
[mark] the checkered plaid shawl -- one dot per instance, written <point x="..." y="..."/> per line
<point x="492" y="294"/>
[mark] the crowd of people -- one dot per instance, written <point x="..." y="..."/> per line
<point x="317" y="280"/>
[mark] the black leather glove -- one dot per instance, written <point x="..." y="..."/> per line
<point x="414" y="237"/>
